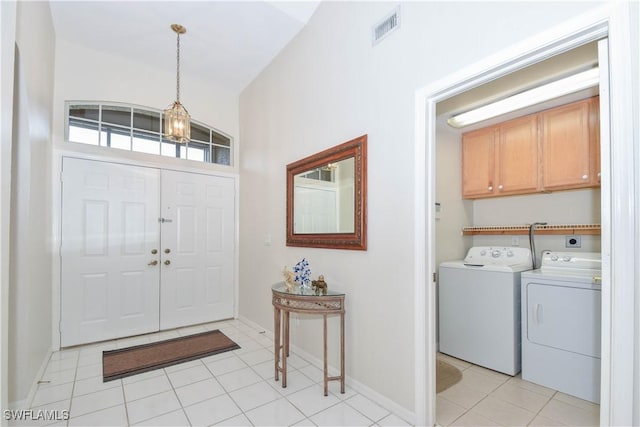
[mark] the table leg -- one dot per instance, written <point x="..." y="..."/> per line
<point x="326" y="370"/>
<point x="285" y="347"/>
<point x="276" y="339"/>
<point x="341" y="352"/>
<point x="286" y="341"/>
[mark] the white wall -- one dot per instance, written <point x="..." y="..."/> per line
<point x="455" y="213"/>
<point x="91" y="75"/>
<point x="634" y="14"/>
<point x="562" y="207"/>
<point x="328" y="86"/>
<point x="7" y="43"/>
<point x="30" y="259"/>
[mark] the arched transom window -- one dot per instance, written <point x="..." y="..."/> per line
<point x="134" y="128"/>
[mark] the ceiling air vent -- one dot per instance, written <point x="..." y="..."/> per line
<point x="385" y="27"/>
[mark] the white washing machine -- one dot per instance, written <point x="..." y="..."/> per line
<point x="479" y="307"/>
<point x="561" y="323"/>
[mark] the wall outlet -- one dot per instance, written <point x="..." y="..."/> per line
<point x="572" y="241"/>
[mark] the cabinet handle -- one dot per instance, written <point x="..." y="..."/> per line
<point x="167" y="262"/>
<point x="500" y="187"/>
<point x="490" y="188"/>
<point x="585" y="177"/>
<point x="154" y="262"/>
<point x="599" y="174"/>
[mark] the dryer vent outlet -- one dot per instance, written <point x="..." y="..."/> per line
<point x="572" y="241"/>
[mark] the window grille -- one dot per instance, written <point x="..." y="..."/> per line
<point x="133" y="128"/>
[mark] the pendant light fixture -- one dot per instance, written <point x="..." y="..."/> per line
<point x="177" y="122"/>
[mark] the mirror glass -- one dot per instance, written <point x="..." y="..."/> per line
<point x="323" y="199"/>
<point x="326" y="198"/>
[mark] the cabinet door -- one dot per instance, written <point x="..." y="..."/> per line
<point x="478" y="163"/>
<point x="518" y="156"/>
<point x="567" y="147"/>
<point x="594" y="131"/>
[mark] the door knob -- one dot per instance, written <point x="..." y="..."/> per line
<point x="166" y="251"/>
<point x="154" y="251"/>
<point x="167" y="262"/>
<point x="154" y="262"/>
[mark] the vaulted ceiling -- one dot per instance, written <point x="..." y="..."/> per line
<point x="229" y="42"/>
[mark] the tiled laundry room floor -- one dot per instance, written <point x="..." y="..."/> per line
<point x="235" y="388"/>
<point x="488" y="398"/>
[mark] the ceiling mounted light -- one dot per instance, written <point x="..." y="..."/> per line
<point x="558" y="88"/>
<point x="177" y="122"/>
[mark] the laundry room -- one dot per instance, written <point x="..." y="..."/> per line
<point x="518" y="199"/>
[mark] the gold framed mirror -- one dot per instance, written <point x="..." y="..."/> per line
<point x="327" y="198"/>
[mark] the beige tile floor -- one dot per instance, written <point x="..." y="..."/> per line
<point x="235" y="388"/>
<point x="488" y="398"/>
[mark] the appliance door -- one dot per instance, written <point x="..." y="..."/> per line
<point x="566" y="318"/>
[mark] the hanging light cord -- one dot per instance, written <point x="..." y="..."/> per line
<point x="178" y="70"/>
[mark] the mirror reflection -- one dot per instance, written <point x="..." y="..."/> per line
<point x="324" y="199"/>
<point x="327" y="198"/>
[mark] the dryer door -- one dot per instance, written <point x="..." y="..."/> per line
<point x="562" y="317"/>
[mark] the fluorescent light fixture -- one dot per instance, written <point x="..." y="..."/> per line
<point x="528" y="98"/>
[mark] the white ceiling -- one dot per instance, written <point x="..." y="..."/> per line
<point x="228" y="42"/>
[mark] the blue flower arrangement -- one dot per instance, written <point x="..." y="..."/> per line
<point x="302" y="272"/>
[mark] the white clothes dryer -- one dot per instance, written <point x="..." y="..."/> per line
<point x="561" y="323"/>
<point x="479" y="307"/>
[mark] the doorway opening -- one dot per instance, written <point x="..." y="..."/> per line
<point x="487" y="348"/>
<point x="542" y="47"/>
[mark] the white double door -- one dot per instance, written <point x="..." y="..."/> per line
<point x="143" y="250"/>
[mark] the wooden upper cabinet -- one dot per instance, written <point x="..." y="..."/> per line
<point x="500" y="160"/>
<point x="478" y="163"/>
<point x="557" y="149"/>
<point x="570" y="146"/>
<point x="517" y="171"/>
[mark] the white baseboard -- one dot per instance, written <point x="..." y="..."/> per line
<point x="364" y="390"/>
<point x="26" y="402"/>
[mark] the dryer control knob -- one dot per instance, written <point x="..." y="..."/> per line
<point x="510" y="254"/>
<point x="483" y="252"/>
<point x="566" y="259"/>
<point x="554" y="257"/>
<point x="495" y="253"/>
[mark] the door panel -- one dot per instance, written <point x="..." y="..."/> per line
<point x="518" y="156"/>
<point x="198" y="230"/>
<point x="109" y="227"/>
<point x="565" y="318"/>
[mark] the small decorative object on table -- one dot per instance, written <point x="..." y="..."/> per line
<point x="289" y="279"/>
<point x="303" y="273"/>
<point x="319" y="285"/>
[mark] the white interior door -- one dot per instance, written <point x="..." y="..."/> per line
<point x="109" y="230"/>
<point x="198" y="223"/>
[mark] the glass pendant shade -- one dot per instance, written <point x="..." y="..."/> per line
<point x="177" y="123"/>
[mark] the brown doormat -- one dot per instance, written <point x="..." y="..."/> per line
<point x="147" y="357"/>
<point x="446" y="375"/>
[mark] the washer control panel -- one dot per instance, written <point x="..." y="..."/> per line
<point x="498" y="255"/>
